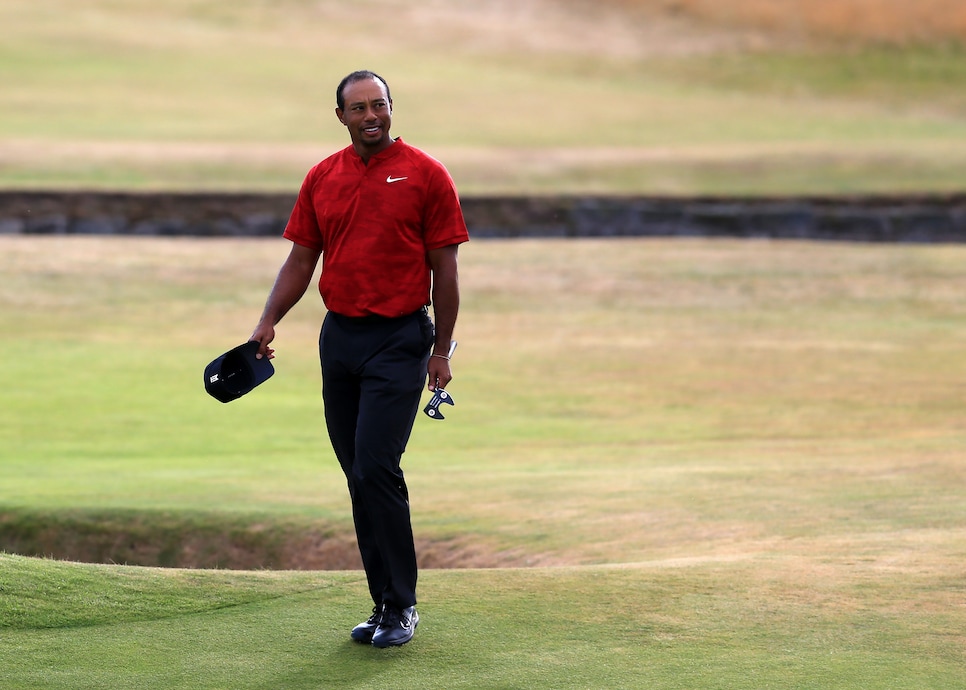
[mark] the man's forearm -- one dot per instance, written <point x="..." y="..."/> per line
<point x="292" y="281"/>
<point x="446" y="298"/>
<point x="446" y="302"/>
<point x="446" y="305"/>
<point x="287" y="291"/>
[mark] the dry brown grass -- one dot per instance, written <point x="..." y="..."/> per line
<point x="151" y="96"/>
<point x="792" y="405"/>
<point x="879" y="21"/>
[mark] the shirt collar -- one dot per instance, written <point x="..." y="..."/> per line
<point x="389" y="151"/>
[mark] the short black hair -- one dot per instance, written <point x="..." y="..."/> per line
<point x="358" y="75"/>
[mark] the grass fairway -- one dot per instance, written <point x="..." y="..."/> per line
<point x="669" y="625"/>
<point x="547" y="96"/>
<point x="729" y="464"/>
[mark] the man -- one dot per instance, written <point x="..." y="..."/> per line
<point x="385" y="218"/>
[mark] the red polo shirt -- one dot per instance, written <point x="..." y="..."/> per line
<point x="374" y="225"/>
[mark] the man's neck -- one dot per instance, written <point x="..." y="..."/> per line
<point x="366" y="152"/>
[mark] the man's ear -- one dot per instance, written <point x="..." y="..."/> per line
<point x="338" y="114"/>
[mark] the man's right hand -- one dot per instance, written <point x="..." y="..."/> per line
<point x="264" y="335"/>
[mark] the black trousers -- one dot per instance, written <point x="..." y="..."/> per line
<point x="373" y="373"/>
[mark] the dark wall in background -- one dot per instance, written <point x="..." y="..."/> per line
<point x="926" y="218"/>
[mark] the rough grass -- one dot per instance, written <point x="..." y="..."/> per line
<point x="541" y="97"/>
<point x="634" y="399"/>
<point x="893" y="22"/>
<point x="738" y="464"/>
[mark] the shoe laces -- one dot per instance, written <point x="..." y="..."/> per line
<point x="391" y="617"/>
<point x="377" y="614"/>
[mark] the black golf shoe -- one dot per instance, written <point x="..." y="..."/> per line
<point x="364" y="631"/>
<point x="396" y="627"/>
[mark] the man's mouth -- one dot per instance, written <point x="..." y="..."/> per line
<point x="371" y="130"/>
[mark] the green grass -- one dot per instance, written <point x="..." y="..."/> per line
<point x="196" y="95"/>
<point x="728" y="465"/>
<point x="709" y="625"/>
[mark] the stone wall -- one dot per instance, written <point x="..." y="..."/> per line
<point x="927" y="218"/>
<point x="123" y="213"/>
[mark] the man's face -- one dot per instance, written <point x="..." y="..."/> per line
<point x="367" y="115"/>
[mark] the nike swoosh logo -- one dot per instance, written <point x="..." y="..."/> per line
<point x="392" y="179"/>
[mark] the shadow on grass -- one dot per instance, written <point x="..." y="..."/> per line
<point x="214" y="540"/>
<point x="178" y="539"/>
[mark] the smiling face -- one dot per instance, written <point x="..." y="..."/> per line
<point x="367" y="115"/>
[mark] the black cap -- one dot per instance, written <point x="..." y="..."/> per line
<point x="237" y="372"/>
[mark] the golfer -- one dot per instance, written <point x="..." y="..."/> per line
<point x="386" y="220"/>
